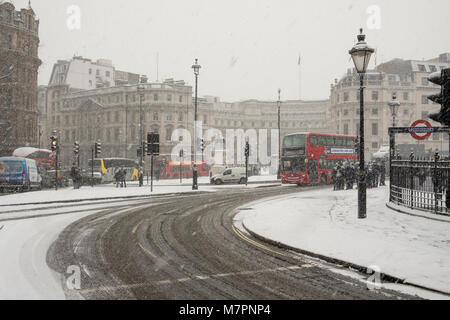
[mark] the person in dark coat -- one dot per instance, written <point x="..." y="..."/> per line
<point x="382" y="173"/>
<point x="141" y="177"/>
<point x="124" y="178"/>
<point x="349" y="176"/>
<point x="334" y="177"/>
<point x="118" y="177"/>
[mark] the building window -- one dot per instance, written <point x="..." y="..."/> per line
<point x="424" y="99"/>
<point x="433" y="68"/>
<point x="375" y="95"/>
<point x="97" y="72"/>
<point x="425" y="81"/>
<point x="108" y="116"/>
<point x="169" y="97"/>
<point x="424" y="114"/>
<point x="169" y="134"/>
<point x="422" y="68"/>
<point x="405" y="112"/>
<point x="345" y="112"/>
<point x="346" y="129"/>
<point x="205" y="119"/>
<point x="155" y="116"/>
<point x="116" y="116"/>
<point x="6" y="98"/>
<point x="374" y="145"/>
<point x="375" y="111"/>
<point x="116" y="134"/>
<point x="406" y="96"/>
<point x="374" y="129"/>
<point x="436" y="136"/>
<point x="180" y="116"/>
<point x="155" y="97"/>
<point x="90" y="71"/>
<point x="7" y="42"/>
<point x="180" y="99"/>
<point x="169" y="116"/>
<point x="345" y="96"/>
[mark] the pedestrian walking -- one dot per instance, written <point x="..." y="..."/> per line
<point x="118" y="177"/>
<point x="382" y="173"/>
<point x="141" y="177"/>
<point x="124" y="178"/>
<point x="334" y="177"/>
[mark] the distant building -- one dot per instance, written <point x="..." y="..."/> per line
<point x="19" y="64"/>
<point x="79" y="74"/>
<point x="405" y="78"/>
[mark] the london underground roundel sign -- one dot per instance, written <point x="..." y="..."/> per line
<point x="421" y="130"/>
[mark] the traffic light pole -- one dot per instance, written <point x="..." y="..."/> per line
<point x="92" y="169"/>
<point x="56" y="169"/>
<point x="151" y="173"/>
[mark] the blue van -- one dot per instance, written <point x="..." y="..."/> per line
<point x="19" y="174"/>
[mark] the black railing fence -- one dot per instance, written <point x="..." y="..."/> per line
<point x="421" y="184"/>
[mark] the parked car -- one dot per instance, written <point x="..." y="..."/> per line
<point x="19" y="174"/>
<point x="231" y="175"/>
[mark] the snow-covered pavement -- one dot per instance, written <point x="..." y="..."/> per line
<point x="325" y="223"/>
<point x="110" y="191"/>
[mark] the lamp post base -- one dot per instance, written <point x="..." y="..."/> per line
<point x="195" y="180"/>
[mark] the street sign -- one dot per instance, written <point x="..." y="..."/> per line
<point x="421" y="130"/>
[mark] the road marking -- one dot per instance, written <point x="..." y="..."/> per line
<point x="257" y="244"/>
<point x="192" y="278"/>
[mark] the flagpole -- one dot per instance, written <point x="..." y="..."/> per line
<point x="299" y="77"/>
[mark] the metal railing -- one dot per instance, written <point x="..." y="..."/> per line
<point x="421" y="184"/>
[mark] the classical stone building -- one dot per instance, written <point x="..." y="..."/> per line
<point x="408" y="81"/>
<point x="19" y="64"/>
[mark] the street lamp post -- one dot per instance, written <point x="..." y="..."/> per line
<point x="141" y="90"/>
<point x="279" y="134"/>
<point x="394" y="105"/>
<point x="196" y="68"/>
<point x="361" y="54"/>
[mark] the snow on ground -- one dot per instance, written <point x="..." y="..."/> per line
<point x="24" y="273"/>
<point x="325" y="222"/>
<point x="110" y="191"/>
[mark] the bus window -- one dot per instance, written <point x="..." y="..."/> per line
<point x="323" y="162"/>
<point x="330" y="141"/>
<point x="322" y="140"/>
<point x="349" y="142"/>
<point x="313" y="140"/>
<point x="339" y="142"/>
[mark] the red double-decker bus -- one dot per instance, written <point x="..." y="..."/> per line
<point x="309" y="158"/>
<point x="171" y="169"/>
<point x="44" y="158"/>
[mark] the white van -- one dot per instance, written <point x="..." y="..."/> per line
<point x="231" y="175"/>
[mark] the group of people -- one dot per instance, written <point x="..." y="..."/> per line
<point x="121" y="178"/>
<point x="345" y="175"/>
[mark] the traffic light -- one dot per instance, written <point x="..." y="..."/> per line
<point x="153" y="144"/>
<point x="98" y="149"/>
<point x="76" y="148"/>
<point x="54" y="143"/>
<point x="202" y="145"/>
<point x="247" y="150"/>
<point x="145" y="148"/>
<point x="443" y="98"/>
<point x="357" y="146"/>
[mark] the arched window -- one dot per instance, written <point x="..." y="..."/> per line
<point x="169" y="130"/>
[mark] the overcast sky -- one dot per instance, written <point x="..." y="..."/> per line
<point x="247" y="48"/>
